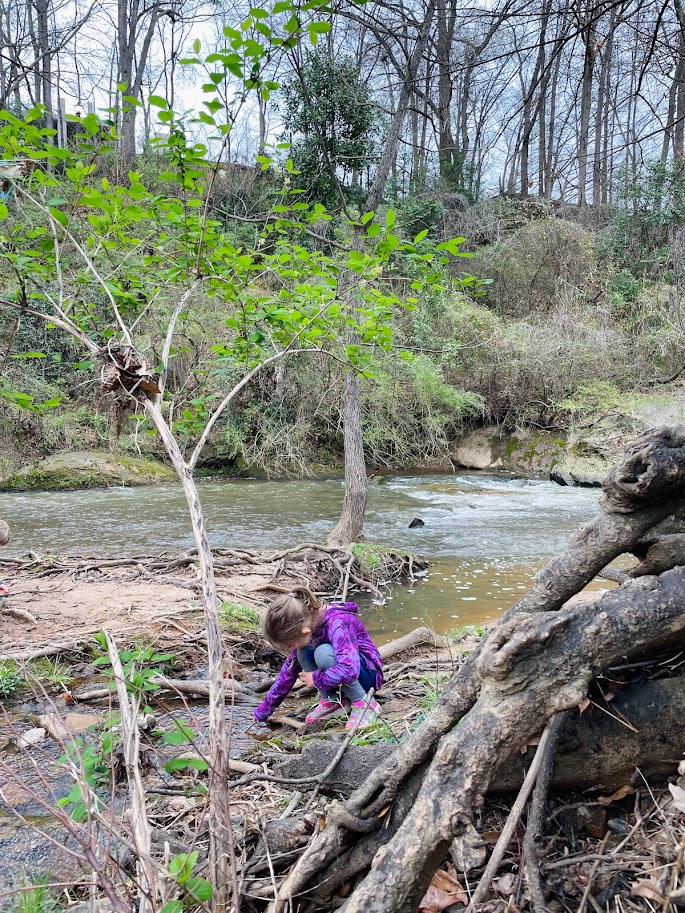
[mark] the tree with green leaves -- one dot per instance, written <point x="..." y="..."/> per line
<point x="106" y="262"/>
<point x="332" y="124"/>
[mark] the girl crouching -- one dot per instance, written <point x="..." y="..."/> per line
<point x="330" y="650"/>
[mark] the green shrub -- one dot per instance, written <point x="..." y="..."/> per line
<point x="239" y="617"/>
<point x="10" y="679"/>
<point x="420" y="213"/>
<point x="541" y="265"/>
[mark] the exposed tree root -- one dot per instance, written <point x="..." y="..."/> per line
<point x="529" y="667"/>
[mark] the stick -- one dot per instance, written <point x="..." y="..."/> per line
<point x="536" y="812"/>
<point x="20" y="613"/>
<point x="183" y="686"/>
<point x="315" y="778"/>
<point x="588" y="886"/>
<point x="142" y="836"/>
<point x="347" y="577"/>
<point x="512" y="821"/>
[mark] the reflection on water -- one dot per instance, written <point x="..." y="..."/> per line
<point x="486" y="534"/>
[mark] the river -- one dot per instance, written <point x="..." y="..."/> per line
<point x="486" y="535"/>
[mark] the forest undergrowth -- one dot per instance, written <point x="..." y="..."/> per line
<point x="562" y="325"/>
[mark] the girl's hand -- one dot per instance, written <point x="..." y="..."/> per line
<point x="4" y="591"/>
<point x="307" y="678"/>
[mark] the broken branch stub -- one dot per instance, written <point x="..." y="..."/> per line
<point x="651" y="471"/>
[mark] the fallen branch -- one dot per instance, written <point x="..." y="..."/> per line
<point x="63" y="646"/>
<point x="536" y="814"/>
<point x="197" y="688"/>
<point x="22" y="614"/>
<point x="416" y="638"/>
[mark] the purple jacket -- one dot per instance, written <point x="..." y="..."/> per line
<point x="343" y="630"/>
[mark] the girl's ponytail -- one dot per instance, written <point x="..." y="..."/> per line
<point x="288" y="614"/>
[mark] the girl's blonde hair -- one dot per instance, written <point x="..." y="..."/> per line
<point x="288" y="614"/>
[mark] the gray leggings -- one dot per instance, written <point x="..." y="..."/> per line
<point x="324" y="658"/>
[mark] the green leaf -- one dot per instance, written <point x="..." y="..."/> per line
<point x="59" y="216"/>
<point x="172" y="906"/>
<point x="320" y="28"/>
<point x="4" y="211"/>
<point x="197" y="44"/>
<point x="421" y="235"/>
<point x="181" y="866"/>
<point x="180" y="735"/>
<point x="186" y="763"/>
<point x="157" y="101"/>
<point x="199" y="889"/>
<point x="367" y="217"/>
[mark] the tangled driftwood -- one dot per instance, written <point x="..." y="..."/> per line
<point x="537" y="661"/>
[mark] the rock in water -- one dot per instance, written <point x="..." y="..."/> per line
<point x="416" y="522"/>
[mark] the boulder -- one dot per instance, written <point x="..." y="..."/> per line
<point x="87" y="469"/>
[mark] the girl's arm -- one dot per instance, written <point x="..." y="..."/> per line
<point x="281" y="688"/>
<point x="346" y="650"/>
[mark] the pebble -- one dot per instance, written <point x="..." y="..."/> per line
<point x="32" y="737"/>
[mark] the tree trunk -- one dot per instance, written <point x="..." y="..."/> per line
<point x="446" y="147"/>
<point x="350" y="526"/>
<point x="351" y="523"/>
<point x="222" y="858"/>
<point x="602" y="102"/>
<point x="589" y="38"/>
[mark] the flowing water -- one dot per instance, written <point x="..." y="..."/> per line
<point x="486" y="535"/>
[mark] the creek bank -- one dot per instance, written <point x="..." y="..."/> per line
<point x="274" y="821"/>
<point x="577" y="455"/>
<point x="566" y="458"/>
<point x="87" y="469"/>
<point x="66" y="600"/>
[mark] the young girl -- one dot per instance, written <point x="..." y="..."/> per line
<point x="330" y="650"/>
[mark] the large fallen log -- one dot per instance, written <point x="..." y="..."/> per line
<point x="530" y="668"/>
<point x="535" y="662"/>
<point x="596" y="748"/>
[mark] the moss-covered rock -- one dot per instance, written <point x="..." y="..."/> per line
<point x="84" y="469"/>
<point x="527" y="452"/>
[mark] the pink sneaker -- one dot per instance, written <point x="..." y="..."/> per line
<point x="365" y="715"/>
<point x="325" y="710"/>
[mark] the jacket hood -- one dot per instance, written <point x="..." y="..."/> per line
<point x="350" y="607"/>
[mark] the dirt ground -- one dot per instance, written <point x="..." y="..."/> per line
<point x="74" y="602"/>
